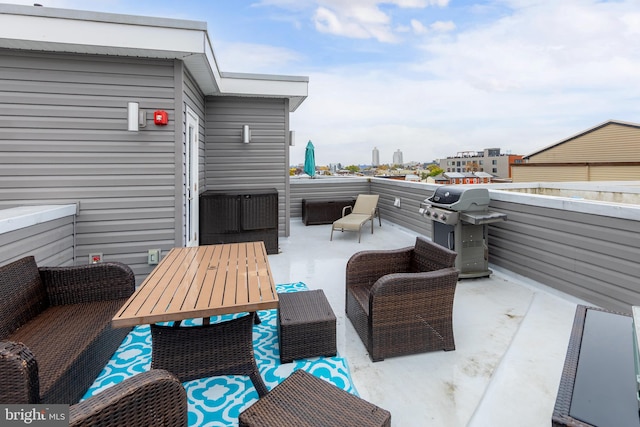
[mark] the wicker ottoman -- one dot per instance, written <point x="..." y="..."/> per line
<point x="303" y="400"/>
<point x="306" y="326"/>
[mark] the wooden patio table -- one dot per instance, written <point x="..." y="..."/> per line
<point x="199" y="282"/>
<point x="202" y="281"/>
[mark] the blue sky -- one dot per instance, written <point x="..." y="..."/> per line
<point x="428" y="77"/>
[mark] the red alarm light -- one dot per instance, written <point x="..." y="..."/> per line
<point x="160" y="117"/>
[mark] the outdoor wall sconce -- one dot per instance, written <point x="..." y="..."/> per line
<point x="136" y="118"/>
<point x="246" y="134"/>
<point x="292" y="138"/>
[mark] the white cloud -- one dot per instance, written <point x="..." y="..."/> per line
<point x="419" y="3"/>
<point x="347" y="114"/>
<point x="355" y="21"/>
<point x="363" y="19"/>
<point x="443" y="26"/>
<point x="254" y="58"/>
<point x="519" y="83"/>
<point x="538" y="48"/>
<point x="418" y="27"/>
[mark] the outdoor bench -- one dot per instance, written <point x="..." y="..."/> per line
<point x="55" y="328"/>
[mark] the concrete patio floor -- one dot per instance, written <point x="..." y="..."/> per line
<point x="511" y="338"/>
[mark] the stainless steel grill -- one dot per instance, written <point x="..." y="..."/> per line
<point x="459" y="220"/>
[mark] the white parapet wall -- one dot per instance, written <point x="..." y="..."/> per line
<point x="46" y="232"/>
<point x="13" y="219"/>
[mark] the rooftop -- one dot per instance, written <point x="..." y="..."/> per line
<point x="511" y="331"/>
<point x="511" y="338"/>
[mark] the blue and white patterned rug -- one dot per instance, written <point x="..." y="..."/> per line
<point x="218" y="401"/>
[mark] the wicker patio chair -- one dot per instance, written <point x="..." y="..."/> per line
<point x="401" y="301"/>
<point x="364" y="210"/>
<point x="152" y="398"/>
<point x="193" y="352"/>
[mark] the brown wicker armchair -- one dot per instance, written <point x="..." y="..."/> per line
<point x="401" y="301"/>
<point x="152" y="398"/>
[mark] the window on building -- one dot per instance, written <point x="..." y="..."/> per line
<point x="494" y="170"/>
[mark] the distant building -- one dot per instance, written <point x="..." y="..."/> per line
<point x="397" y="158"/>
<point x="461" y="178"/>
<point x="609" y="151"/>
<point x="490" y="160"/>
<point x="375" y="157"/>
<point x="438" y="179"/>
<point x="468" y="177"/>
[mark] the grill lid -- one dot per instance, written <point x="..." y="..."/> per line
<point x="461" y="198"/>
<point x="446" y="195"/>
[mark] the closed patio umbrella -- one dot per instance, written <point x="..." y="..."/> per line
<point x="310" y="160"/>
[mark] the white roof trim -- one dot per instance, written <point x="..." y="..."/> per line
<point x="483" y="175"/>
<point x="62" y="30"/>
<point x="12" y="219"/>
<point x="247" y="84"/>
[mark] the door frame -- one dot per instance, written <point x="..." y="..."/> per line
<point x="191" y="188"/>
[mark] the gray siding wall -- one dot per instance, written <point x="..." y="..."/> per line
<point x="587" y="250"/>
<point x="323" y="188"/>
<point x="193" y="98"/>
<point x="51" y="243"/>
<point x="594" y="257"/>
<point x="410" y="194"/>
<point x="263" y="163"/>
<point x="64" y="139"/>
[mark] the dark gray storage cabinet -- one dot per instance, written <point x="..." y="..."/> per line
<point x="240" y="216"/>
<point x="317" y="211"/>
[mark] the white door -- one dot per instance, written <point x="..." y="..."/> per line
<point x="191" y="181"/>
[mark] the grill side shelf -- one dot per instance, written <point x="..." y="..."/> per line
<point x="482" y="218"/>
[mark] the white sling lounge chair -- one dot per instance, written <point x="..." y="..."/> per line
<point x="363" y="211"/>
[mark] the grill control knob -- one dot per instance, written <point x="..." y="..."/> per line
<point x="443" y="217"/>
<point x="435" y="215"/>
